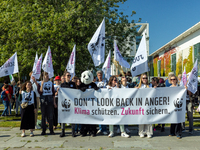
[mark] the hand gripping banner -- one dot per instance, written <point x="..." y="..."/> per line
<point x="122" y="106"/>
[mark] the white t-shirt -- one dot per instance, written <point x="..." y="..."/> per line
<point x="124" y="86"/>
<point x="28" y="97"/>
<point x="55" y="88"/>
<point x="47" y="88"/>
<point x="110" y="87"/>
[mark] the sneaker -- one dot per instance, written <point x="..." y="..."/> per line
<point x="190" y="132"/>
<point x="118" y="131"/>
<point x="31" y="134"/>
<point x="105" y="133"/>
<point x="127" y="130"/>
<point x="43" y="133"/>
<point x="171" y="135"/>
<point x="123" y="134"/>
<point x="99" y="131"/>
<point x="111" y="134"/>
<point x="178" y="137"/>
<point x="149" y="136"/>
<point x="142" y="135"/>
<point x="23" y="135"/>
<point x="52" y="133"/>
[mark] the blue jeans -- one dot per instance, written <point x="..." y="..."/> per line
<point x="102" y="128"/>
<point x="6" y="104"/>
<point x="77" y="127"/>
<point x="18" y="104"/>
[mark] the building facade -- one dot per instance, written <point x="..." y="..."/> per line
<point x="180" y="52"/>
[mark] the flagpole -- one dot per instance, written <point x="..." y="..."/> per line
<point x="18" y="76"/>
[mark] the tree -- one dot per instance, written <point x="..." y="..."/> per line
<point x="27" y="26"/>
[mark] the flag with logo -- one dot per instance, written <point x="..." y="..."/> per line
<point x="35" y="62"/>
<point x="37" y="69"/>
<point x="106" y="67"/>
<point x="71" y="63"/>
<point x="47" y="64"/>
<point x="140" y="62"/>
<point x="96" y="45"/>
<point x="192" y="84"/>
<point x="10" y="66"/>
<point x="118" y="57"/>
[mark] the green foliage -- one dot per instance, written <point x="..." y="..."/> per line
<point x="179" y="64"/>
<point x="27" y="26"/>
<point x="188" y="62"/>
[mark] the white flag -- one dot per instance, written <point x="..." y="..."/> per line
<point x="184" y="78"/>
<point x="37" y="69"/>
<point x="118" y="57"/>
<point x="11" y="78"/>
<point x="47" y="65"/>
<point x="71" y="63"/>
<point x="36" y="60"/>
<point x="140" y="62"/>
<point x="193" y="79"/>
<point x="106" y="67"/>
<point x="10" y="67"/>
<point x="96" y="45"/>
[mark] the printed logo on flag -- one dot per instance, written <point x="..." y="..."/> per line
<point x="95" y="46"/>
<point x="66" y="105"/>
<point x="6" y="71"/>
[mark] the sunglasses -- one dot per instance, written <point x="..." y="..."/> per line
<point x="172" y="79"/>
<point x="69" y="75"/>
<point x="114" y="80"/>
<point x="144" y="78"/>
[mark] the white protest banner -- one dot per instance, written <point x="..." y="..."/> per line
<point x="193" y="79"/>
<point x="10" y="67"/>
<point x="37" y="69"/>
<point x="118" y="57"/>
<point x="96" y="45"/>
<point x="71" y="63"/>
<point x="122" y="106"/>
<point x="35" y="62"/>
<point x="140" y="61"/>
<point x="47" y="65"/>
<point x="106" y="67"/>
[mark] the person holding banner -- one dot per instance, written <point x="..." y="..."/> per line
<point x="101" y="84"/>
<point x="145" y="129"/>
<point x="67" y="84"/>
<point x="175" y="128"/>
<point x="57" y="80"/>
<point x="47" y="103"/>
<point x="112" y="83"/>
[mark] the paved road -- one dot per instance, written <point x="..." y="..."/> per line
<point x="11" y="139"/>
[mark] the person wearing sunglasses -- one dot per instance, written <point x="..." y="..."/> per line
<point x="112" y="83"/>
<point x="175" y="128"/>
<point x="144" y="129"/>
<point x="67" y="84"/>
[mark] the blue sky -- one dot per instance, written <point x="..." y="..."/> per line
<point x="167" y="18"/>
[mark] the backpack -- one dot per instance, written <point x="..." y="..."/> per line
<point x="3" y="95"/>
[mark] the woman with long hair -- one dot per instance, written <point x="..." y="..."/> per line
<point x="112" y="83"/>
<point x="144" y="129"/>
<point x="28" y="113"/>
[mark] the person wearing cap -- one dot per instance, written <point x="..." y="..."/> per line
<point x="67" y="84"/>
<point x="57" y="80"/>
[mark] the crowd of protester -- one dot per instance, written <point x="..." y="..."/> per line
<point x="31" y="95"/>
